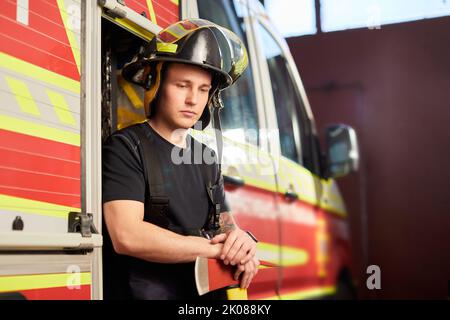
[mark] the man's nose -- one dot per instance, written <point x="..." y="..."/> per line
<point x="192" y="96"/>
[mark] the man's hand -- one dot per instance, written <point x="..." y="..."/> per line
<point x="249" y="270"/>
<point x="238" y="249"/>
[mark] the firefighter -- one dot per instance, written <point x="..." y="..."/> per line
<point x="162" y="206"/>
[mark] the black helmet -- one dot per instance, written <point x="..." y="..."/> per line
<point x="193" y="41"/>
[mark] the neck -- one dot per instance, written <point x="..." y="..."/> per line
<point x="176" y="136"/>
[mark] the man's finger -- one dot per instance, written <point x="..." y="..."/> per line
<point x="238" y="272"/>
<point x="244" y="280"/>
<point x="233" y="251"/>
<point x="219" y="238"/>
<point x="248" y="275"/>
<point x="250" y="255"/>
<point x="241" y="254"/>
<point x="228" y="244"/>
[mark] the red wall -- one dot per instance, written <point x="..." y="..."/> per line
<point x="393" y="86"/>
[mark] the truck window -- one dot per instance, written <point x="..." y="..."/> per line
<point x="297" y="142"/>
<point x="240" y="112"/>
<point x="284" y="96"/>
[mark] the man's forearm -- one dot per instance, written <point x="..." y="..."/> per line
<point x="134" y="237"/>
<point x="152" y="243"/>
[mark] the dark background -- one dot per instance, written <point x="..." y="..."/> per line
<point x="393" y="86"/>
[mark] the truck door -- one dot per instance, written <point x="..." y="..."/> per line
<point x="298" y="181"/>
<point x="247" y="164"/>
<point x="47" y="241"/>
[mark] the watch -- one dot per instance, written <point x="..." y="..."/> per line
<point x="252" y="236"/>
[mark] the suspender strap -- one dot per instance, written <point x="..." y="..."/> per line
<point x="158" y="204"/>
<point x="212" y="224"/>
<point x="215" y="214"/>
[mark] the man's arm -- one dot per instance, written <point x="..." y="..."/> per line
<point x="132" y="236"/>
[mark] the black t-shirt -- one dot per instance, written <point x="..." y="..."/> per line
<point x="124" y="178"/>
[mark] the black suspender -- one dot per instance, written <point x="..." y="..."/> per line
<point x="157" y="202"/>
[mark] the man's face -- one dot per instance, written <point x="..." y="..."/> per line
<point x="183" y="96"/>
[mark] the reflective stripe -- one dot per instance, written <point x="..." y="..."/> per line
<point x="38" y="130"/>
<point x="29" y="282"/>
<point x="35" y="207"/>
<point x="175" y="32"/>
<point x="290" y="256"/>
<point x="40" y="74"/>
<point x="322" y="247"/>
<point x="152" y="11"/>
<point x="166" y="47"/>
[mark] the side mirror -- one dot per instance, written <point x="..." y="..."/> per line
<point x="342" y="150"/>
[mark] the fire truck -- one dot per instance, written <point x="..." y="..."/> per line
<point x="62" y="94"/>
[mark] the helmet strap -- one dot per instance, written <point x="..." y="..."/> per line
<point x="217" y="105"/>
<point x="155" y="82"/>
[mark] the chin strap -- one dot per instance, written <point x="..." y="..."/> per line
<point x="217" y="105"/>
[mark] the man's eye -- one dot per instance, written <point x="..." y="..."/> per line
<point x="181" y="85"/>
<point x="204" y="90"/>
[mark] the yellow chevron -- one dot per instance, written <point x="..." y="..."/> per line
<point x="23" y="96"/>
<point x="61" y="108"/>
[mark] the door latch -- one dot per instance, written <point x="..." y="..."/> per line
<point x="83" y="223"/>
